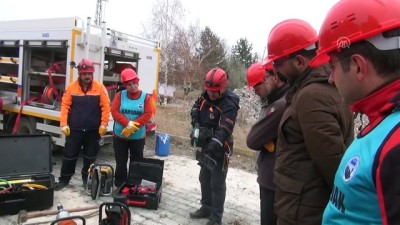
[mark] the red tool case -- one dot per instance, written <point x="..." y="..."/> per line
<point x="130" y="193"/>
<point x="25" y="162"/>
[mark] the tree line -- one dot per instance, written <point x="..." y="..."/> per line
<point x="188" y="52"/>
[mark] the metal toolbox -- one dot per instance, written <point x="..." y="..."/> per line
<point x="144" y="186"/>
<point x="27" y="182"/>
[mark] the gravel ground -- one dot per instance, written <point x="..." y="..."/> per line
<point x="241" y="159"/>
<point x="181" y="190"/>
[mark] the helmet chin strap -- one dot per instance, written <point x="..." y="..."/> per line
<point x="220" y="93"/>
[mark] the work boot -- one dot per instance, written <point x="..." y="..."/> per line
<point x="84" y="180"/>
<point x="60" y="185"/>
<point x="213" y="223"/>
<point x="199" y="214"/>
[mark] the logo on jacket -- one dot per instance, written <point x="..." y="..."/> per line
<point x="269" y="112"/>
<point x="211" y="116"/>
<point x="351" y="168"/>
<point x="140" y="106"/>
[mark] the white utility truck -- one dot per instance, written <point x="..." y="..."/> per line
<point x="36" y="65"/>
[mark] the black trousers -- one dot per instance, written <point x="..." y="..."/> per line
<point x="213" y="191"/>
<point x="268" y="217"/>
<point x="121" y="149"/>
<point x="88" y="141"/>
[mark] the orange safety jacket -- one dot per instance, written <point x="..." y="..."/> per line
<point x="85" y="111"/>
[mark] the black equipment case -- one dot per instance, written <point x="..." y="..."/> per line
<point x="26" y="165"/>
<point x="145" y="169"/>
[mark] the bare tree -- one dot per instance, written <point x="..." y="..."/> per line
<point x="166" y="22"/>
<point x="187" y="64"/>
<point x="186" y="54"/>
<point x="194" y="52"/>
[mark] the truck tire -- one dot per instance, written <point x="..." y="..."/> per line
<point x="26" y="126"/>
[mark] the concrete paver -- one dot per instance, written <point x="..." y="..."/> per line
<point x="181" y="195"/>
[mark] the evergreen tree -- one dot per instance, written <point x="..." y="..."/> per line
<point x="211" y="51"/>
<point x="242" y="52"/>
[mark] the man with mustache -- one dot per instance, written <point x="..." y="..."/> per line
<point x="85" y="111"/>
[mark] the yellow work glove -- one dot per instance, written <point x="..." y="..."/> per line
<point x="102" y="130"/>
<point x="270" y="146"/>
<point x="131" y="128"/>
<point x="65" y="130"/>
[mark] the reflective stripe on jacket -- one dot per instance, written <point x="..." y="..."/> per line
<point x="85" y="111"/>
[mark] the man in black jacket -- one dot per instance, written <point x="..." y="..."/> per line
<point x="214" y="113"/>
<point x="271" y="89"/>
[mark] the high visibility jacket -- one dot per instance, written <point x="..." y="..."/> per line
<point x="85" y="111"/>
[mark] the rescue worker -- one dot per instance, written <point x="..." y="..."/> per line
<point x="131" y="110"/>
<point x="215" y="111"/>
<point x="363" y="52"/>
<point x="272" y="89"/>
<point x="315" y="130"/>
<point x="85" y="111"/>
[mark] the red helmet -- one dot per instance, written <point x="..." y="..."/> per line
<point x="350" y="21"/>
<point x="255" y="74"/>
<point x="85" y="66"/>
<point x="288" y="37"/>
<point x="216" y="80"/>
<point x="128" y="75"/>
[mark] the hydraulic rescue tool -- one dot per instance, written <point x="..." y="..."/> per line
<point x="64" y="218"/>
<point x="116" y="214"/>
<point x="24" y="216"/>
<point x="100" y="180"/>
<point x="201" y="136"/>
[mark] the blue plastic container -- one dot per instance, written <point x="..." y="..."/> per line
<point x="162" y="145"/>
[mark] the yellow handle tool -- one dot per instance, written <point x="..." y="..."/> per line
<point x="16" y="181"/>
<point x="35" y="186"/>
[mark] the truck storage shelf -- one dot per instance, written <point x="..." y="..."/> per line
<point x="8" y="79"/>
<point x="46" y="74"/>
<point x="9" y="60"/>
<point x="6" y="100"/>
<point x="43" y="105"/>
<point x="111" y="79"/>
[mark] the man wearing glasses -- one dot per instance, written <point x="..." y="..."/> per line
<point x="272" y="89"/>
<point x="363" y="52"/>
<point x="85" y="111"/>
<point x="316" y="127"/>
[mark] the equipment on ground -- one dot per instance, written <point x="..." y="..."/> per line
<point x="144" y="185"/>
<point x="24" y="216"/>
<point x="116" y="214"/>
<point x="100" y="181"/>
<point x="27" y="182"/>
<point x="63" y="217"/>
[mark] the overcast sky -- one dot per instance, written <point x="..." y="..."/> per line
<point x="229" y="19"/>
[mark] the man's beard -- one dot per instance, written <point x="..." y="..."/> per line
<point x="292" y="76"/>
